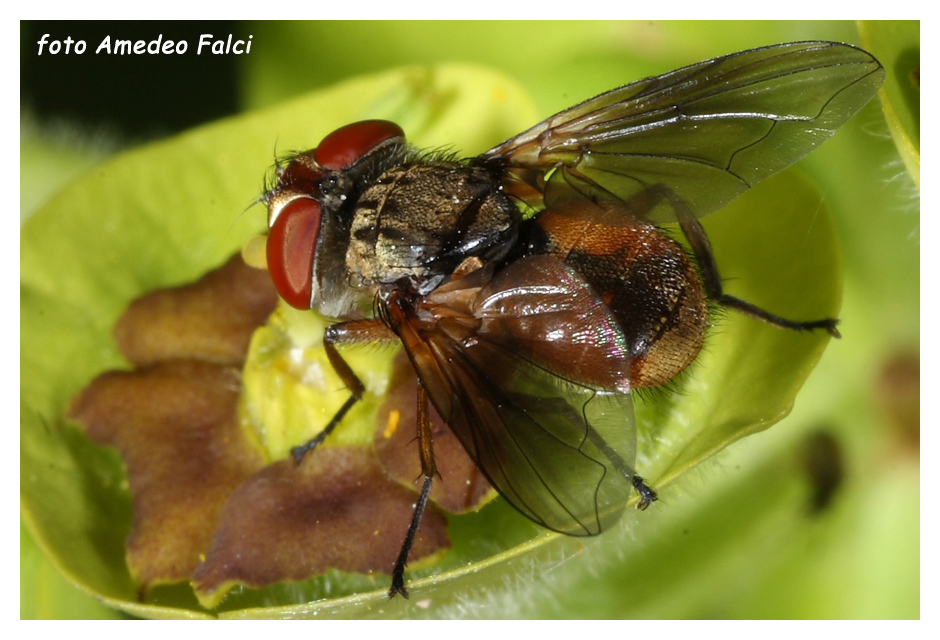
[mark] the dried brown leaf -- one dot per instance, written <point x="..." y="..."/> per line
<point x="211" y="319"/>
<point x="337" y="510"/>
<point x="176" y="426"/>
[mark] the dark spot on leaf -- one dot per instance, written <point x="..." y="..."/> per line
<point x="822" y="461"/>
<point x="898" y="393"/>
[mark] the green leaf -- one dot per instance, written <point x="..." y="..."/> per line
<point x="776" y="248"/>
<point x="160" y="216"/>
<point x="165" y="214"/>
<point x="46" y="595"/>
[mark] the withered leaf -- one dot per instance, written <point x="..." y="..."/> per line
<point x="336" y="510"/>
<point x="207" y="506"/>
<point x="211" y="319"/>
<point x="176" y="426"/>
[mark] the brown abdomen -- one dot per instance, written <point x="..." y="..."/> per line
<point x="647" y="281"/>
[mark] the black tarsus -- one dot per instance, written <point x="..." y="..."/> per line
<point x="398" y="573"/>
<point x="333" y="334"/>
<point x="429" y="470"/>
<point x="647" y="495"/>
<point x="300" y="451"/>
<point x="702" y="249"/>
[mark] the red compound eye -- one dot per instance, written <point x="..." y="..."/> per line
<point x="291" y="243"/>
<point x="342" y="148"/>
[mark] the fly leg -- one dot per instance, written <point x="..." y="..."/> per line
<point x="429" y="470"/>
<point x="647" y="495"/>
<point x="647" y="199"/>
<point x="345" y="332"/>
<point x="702" y="249"/>
<point x="377" y="331"/>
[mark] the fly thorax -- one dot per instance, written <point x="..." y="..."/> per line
<point x="419" y="221"/>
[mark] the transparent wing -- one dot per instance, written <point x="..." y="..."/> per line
<point x="688" y="142"/>
<point x="508" y="375"/>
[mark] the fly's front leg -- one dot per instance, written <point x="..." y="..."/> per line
<point x="345" y="332"/>
<point x="712" y="280"/>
